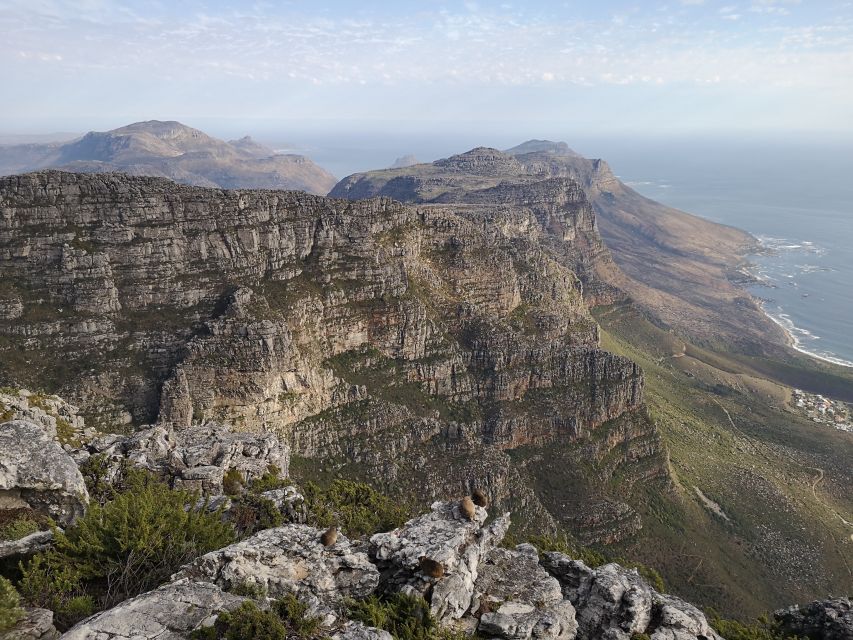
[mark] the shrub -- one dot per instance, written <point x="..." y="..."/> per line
<point x="103" y="480"/>
<point x="20" y="527"/>
<point x="123" y="548"/>
<point x="355" y="507"/>
<point x="270" y="480"/>
<point x="286" y="618"/>
<point x="232" y="482"/>
<point x="404" y="617"/>
<point x="10" y="609"/>
<point x="761" y="629"/>
<point x="295" y="614"/>
<point x="251" y="513"/>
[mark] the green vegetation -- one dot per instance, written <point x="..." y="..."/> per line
<point x="250" y="513"/>
<point x="761" y="629"/>
<point x="232" y="482"/>
<point x="10" y="605"/>
<point x="355" y="507"/>
<point x="129" y="545"/>
<point x="286" y="618"/>
<point x="269" y="481"/>
<point x="19" y="527"/>
<point x="404" y="617"/>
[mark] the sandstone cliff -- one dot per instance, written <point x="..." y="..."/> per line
<point x="420" y="346"/>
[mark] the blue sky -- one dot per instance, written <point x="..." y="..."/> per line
<point x="605" y="67"/>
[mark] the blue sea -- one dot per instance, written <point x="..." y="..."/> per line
<point x="794" y="194"/>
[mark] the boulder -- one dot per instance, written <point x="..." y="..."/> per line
<point x="444" y="537"/>
<point x="26" y="546"/>
<point x="613" y="603"/>
<point x="289" y="502"/>
<point x="830" y="619"/>
<point x="358" y="631"/>
<point x="171" y="612"/>
<point x="518" y="600"/>
<point x="37" y="624"/>
<point x="290" y="559"/>
<point x="36" y="472"/>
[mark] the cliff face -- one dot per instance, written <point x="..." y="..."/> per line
<point x="411" y="343"/>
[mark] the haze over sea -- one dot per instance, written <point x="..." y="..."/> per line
<point x="795" y="196"/>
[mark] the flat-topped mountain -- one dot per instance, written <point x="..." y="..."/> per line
<point x="173" y="150"/>
<point x="678" y="266"/>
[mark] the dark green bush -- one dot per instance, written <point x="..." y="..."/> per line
<point x="232" y="482"/>
<point x="270" y="480"/>
<point x="18" y="528"/>
<point x="251" y="513"/>
<point x="286" y="618"/>
<point x="295" y="615"/>
<point x="127" y="546"/>
<point x="10" y="609"/>
<point x="355" y="507"/>
<point x="404" y="617"/>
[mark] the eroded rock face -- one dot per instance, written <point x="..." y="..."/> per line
<point x="830" y="619"/>
<point x="290" y="559"/>
<point x="613" y="602"/>
<point x="37" y="624"/>
<point x="26" y="546"/>
<point x="353" y="630"/>
<point x="519" y="600"/>
<point x="36" y="472"/>
<point x="171" y="612"/>
<point x="446" y="537"/>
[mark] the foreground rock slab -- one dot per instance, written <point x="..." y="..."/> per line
<point x="290" y="559"/>
<point x="450" y="544"/>
<point x="36" y="472"/>
<point x="171" y="612"/>
<point x="825" y="619"/>
<point x="37" y="624"/>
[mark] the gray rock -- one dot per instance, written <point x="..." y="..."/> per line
<point x="289" y="501"/>
<point x="173" y="611"/>
<point x="37" y="624"/>
<point x="290" y="559"/>
<point x="613" y="603"/>
<point x="357" y="631"/>
<point x="26" y="546"/>
<point x="444" y="536"/>
<point x="830" y="619"/>
<point x="520" y="599"/>
<point x="36" y="472"/>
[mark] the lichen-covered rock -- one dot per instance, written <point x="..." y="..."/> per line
<point x="26" y="546"/>
<point x="36" y="472"/>
<point x="353" y="630"/>
<point x="518" y="600"/>
<point x="197" y="458"/>
<point x="60" y="419"/>
<point x="290" y="559"/>
<point x="613" y="603"/>
<point x="444" y="536"/>
<point x="171" y="612"/>
<point x="830" y="619"/>
<point x="289" y="502"/>
<point x="37" y="624"/>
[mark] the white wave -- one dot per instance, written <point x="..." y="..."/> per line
<point x="797" y="334"/>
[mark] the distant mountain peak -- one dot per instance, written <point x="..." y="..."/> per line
<point x="542" y="146"/>
<point x="482" y="161"/>
<point x="408" y="160"/>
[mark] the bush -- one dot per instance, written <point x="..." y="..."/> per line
<point x="232" y="483"/>
<point x="10" y="609"/>
<point x="251" y="513"/>
<point x="270" y="480"/>
<point x="103" y="480"/>
<point x="404" y="617"/>
<point x="125" y="547"/>
<point x="286" y="618"/>
<point x="20" y="527"/>
<point x="355" y="507"/>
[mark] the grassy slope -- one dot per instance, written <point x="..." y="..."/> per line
<point x="781" y="481"/>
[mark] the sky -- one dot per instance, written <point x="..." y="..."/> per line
<point x="684" y="66"/>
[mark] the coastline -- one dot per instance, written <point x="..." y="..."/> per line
<point x="795" y="343"/>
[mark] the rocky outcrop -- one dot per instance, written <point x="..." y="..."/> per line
<point x="197" y="458"/>
<point x="36" y="624"/>
<point x="830" y="619"/>
<point x="357" y="631"/>
<point x="614" y="603"/>
<point x="290" y="559"/>
<point x="171" y="612"/>
<point x="438" y="556"/>
<point x="26" y="546"/>
<point x="518" y="600"/>
<point x="36" y="473"/>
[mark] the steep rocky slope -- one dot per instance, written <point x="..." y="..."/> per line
<point x="428" y="348"/>
<point x="680" y="268"/>
<point x="176" y="151"/>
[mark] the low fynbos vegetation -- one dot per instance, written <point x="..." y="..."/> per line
<point x="20" y="524"/>
<point x="355" y="507"/>
<point x="10" y="609"/>
<point x="286" y="618"/>
<point x="761" y="629"/>
<point x="404" y="617"/>
<point x="124" y="547"/>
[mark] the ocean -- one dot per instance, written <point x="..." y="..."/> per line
<point x="795" y="195"/>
